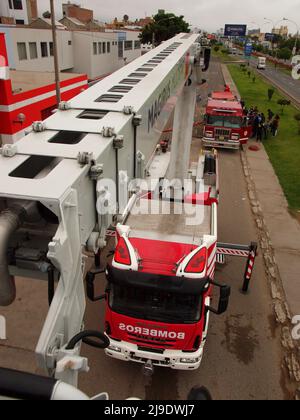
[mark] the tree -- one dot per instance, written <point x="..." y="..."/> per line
<point x="284" y="53"/>
<point x="163" y="27"/>
<point x="297" y="118"/>
<point x="217" y="48"/>
<point x="47" y="15"/>
<point x="126" y="18"/>
<point x="283" y="103"/>
<point x="271" y="94"/>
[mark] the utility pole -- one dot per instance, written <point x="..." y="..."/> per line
<point x="55" y="53"/>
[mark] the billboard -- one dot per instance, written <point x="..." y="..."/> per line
<point x="270" y="37"/>
<point x="235" y="30"/>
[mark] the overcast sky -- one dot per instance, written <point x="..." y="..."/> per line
<point x="206" y="14"/>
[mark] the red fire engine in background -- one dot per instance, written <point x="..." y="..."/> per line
<point x="225" y="124"/>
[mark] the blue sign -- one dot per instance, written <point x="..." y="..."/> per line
<point x="235" y="30"/>
<point x="248" y="50"/>
<point x="270" y="37"/>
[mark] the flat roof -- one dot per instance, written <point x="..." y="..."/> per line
<point x="229" y="96"/>
<point x="24" y="81"/>
<point x="226" y="105"/>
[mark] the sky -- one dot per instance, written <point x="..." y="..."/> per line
<point x="205" y="14"/>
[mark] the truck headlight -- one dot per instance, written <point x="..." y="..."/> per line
<point x="209" y="134"/>
<point x="115" y="348"/>
<point x="186" y="360"/>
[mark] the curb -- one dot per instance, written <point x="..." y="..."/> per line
<point x="280" y="306"/>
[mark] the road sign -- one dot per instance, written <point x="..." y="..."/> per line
<point x="248" y="50"/>
<point x="235" y="30"/>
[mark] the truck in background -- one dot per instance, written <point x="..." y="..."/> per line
<point x="261" y="63"/>
<point x="225" y="124"/>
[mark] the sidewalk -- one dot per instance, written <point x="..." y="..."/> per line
<point x="283" y="231"/>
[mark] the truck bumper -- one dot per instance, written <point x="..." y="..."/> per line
<point x="174" y="359"/>
<point x="230" y="144"/>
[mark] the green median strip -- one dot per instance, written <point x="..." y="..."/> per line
<point x="283" y="150"/>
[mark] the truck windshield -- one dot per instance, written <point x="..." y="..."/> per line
<point x="160" y="306"/>
<point x="222" y="121"/>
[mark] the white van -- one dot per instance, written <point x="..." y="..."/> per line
<point x="262" y="63"/>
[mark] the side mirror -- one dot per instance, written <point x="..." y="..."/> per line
<point x="225" y="292"/>
<point x="90" y="286"/>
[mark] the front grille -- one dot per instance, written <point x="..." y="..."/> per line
<point x="151" y="341"/>
<point x="165" y="362"/>
<point x="220" y="132"/>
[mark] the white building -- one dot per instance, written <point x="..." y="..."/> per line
<point x="96" y="54"/>
<point x="21" y="11"/>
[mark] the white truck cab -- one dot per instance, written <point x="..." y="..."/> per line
<point x="261" y="63"/>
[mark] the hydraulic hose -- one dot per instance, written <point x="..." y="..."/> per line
<point x="10" y="221"/>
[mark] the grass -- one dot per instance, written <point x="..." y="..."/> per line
<point x="283" y="150"/>
<point x="224" y="57"/>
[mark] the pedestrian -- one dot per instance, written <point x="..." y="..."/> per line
<point x="256" y="122"/>
<point x="275" y="125"/>
<point x="270" y="115"/>
<point x="265" y="131"/>
<point x="259" y="132"/>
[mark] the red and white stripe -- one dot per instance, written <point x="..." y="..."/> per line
<point x="250" y="265"/>
<point x="233" y="252"/>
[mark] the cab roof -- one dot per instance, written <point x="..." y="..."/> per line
<point x="223" y="96"/>
<point x="223" y="107"/>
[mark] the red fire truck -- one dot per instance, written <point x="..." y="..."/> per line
<point x="226" y="126"/>
<point x="161" y="278"/>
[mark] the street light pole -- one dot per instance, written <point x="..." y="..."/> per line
<point x="55" y="53"/>
<point x="274" y="31"/>
<point x="297" y="34"/>
<point x="153" y="34"/>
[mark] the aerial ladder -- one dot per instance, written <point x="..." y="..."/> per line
<point x="56" y="198"/>
<point x="54" y="186"/>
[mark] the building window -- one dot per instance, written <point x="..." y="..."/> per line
<point x="51" y="49"/>
<point x="120" y="49"/>
<point x="33" y="50"/>
<point x="128" y="45"/>
<point x="18" y="5"/>
<point x="69" y="43"/>
<point x="20" y="22"/>
<point x="137" y="45"/>
<point x="100" y="47"/>
<point x="10" y="4"/>
<point x="22" y="51"/>
<point x="44" y="49"/>
<point x="95" y="48"/>
<point x="108" y="47"/>
<point x="104" y="47"/>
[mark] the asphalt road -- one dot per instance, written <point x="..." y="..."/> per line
<point x="283" y="80"/>
<point x="243" y="356"/>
